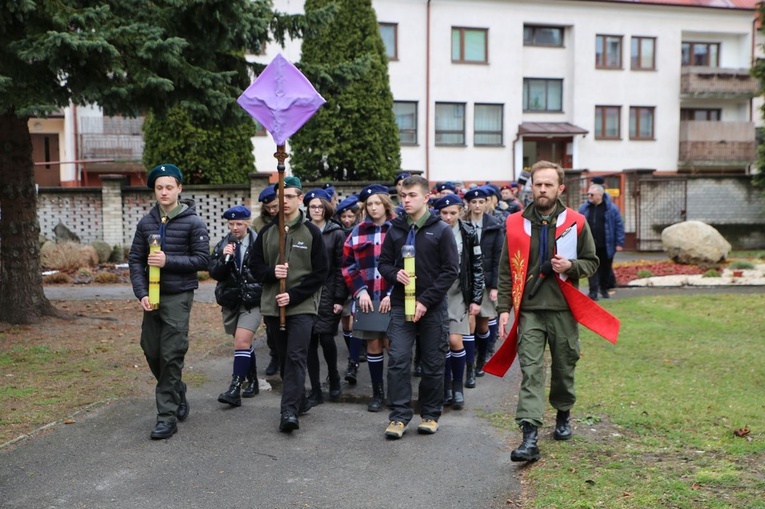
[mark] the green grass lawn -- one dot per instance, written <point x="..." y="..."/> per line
<point x="656" y="413"/>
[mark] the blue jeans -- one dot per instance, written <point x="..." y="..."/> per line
<point x="433" y="332"/>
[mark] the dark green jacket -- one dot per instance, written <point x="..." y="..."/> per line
<point x="548" y="296"/>
<point x="304" y="252"/>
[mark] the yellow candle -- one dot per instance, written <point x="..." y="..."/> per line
<point x="410" y="300"/>
<point x="154" y="246"/>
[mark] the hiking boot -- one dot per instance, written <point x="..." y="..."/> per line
<point x="335" y="390"/>
<point x="480" y="361"/>
<point x="378" y="398"/>
<point x="528" y="450"/>
<point x="233" y="396"/>
<point x="562" y="425"/>
<point x="395" y="430"/>
<point x="459" y="397"/>
<point x="251" y="387"/>
<point x="273" y="367"/>
<point x="427" y="427"/>
<point x="448" y="397"/>
<point x="470" y="375"/>
<point x="315" y="398"/>
<point x="352" y="373"/>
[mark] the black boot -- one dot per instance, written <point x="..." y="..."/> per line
<point x="470" y="375"/>
<point x="335" y="390"/>
<point x="378" y="397"/>
<point x="352" y="373"/>
<point x="448" y="395"/>
<point x="528" y="450"/>
<point x="233" y="396"/>
<point x="480" y="361"/>
<point x="250" y="387"/>
<point x="562" y="425"/>
<point x="273" y="366"/>
<point x="459" y="397"/>
<point x="315" y="398"/>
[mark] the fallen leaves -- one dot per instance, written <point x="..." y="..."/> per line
<point x="741" y="432"/>
<point x="628" y="272"/>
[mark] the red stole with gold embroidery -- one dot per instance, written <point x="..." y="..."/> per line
<point x="585" y="311"/>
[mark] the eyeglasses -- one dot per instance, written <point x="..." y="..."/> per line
<point x="290" y="196"/>
<point x="316" y="207"/>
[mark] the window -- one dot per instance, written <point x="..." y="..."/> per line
<point x="542" y="94"/>
<point x="542" y="36"/>
<point x="641" y="123"/>
<point x="700" y="114"/>
<point x="406" y="119"/>
<point x="389" y="34"/>
<point x="706" y="54"/>
<point x="643" y="53"/>
<point x="470" y="45"/>
<point x="487" y="128"/>
<point x="607" y="120"/>
<point x="450" y="124"/>
<point x="608" y="51"/>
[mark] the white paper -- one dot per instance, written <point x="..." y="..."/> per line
<point x="565" y="246"/>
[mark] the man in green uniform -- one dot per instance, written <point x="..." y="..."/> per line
<point x="553" y="240"/>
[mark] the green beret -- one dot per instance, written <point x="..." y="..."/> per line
<point x="164" y="170"/>
<point x="292" y="182"/>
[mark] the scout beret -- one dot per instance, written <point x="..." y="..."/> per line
<point x="492" y="189"/>
<point x="163" y="170"/>
<point x="329" y="189"/>
<point x="514" y="184"/>
<point x="400" y="177"/>
<point x="292" y="183"/>
<point x="347" y="203"/>
<point x="448" y="200"/>
<point x="315" y="193"/>
<point x="476" y="192"/>
<point x="372" y="189"/>
<point x="237" y="212"/>
<point x="447" y="185"/>
<point x="267" y="195"/>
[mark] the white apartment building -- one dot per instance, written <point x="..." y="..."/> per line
<point x="484" y="88"/>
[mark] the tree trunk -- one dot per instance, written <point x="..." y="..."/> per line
<point x="22" y="299"/>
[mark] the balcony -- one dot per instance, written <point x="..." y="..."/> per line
<point x="115" y="138"/>
<point x="716" y="145"/>
<point x="717" y="83"/>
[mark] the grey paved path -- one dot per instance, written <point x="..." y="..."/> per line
<point x="224" y="457"/>
<point x="236" y="457"/>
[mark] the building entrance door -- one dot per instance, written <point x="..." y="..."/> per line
<point x="45" y="150"/>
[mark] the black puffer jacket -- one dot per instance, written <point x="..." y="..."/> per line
<point x="234" y="287"/>
<point x="472" y="281"/>
<point x="187" y="250"/>
<point x="334" y="290"/>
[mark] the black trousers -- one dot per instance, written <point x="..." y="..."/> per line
<point x="292" y="350"/>
<point x="600" y="280"/>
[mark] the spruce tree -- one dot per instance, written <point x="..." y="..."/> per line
<point x="128" y="57"/>
<point x="217" y="154"/>
<point x="354" y="136"/>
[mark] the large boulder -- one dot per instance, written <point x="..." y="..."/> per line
<point x="694" y="242"/>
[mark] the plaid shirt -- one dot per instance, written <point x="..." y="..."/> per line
<point x="361" y="255"/>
